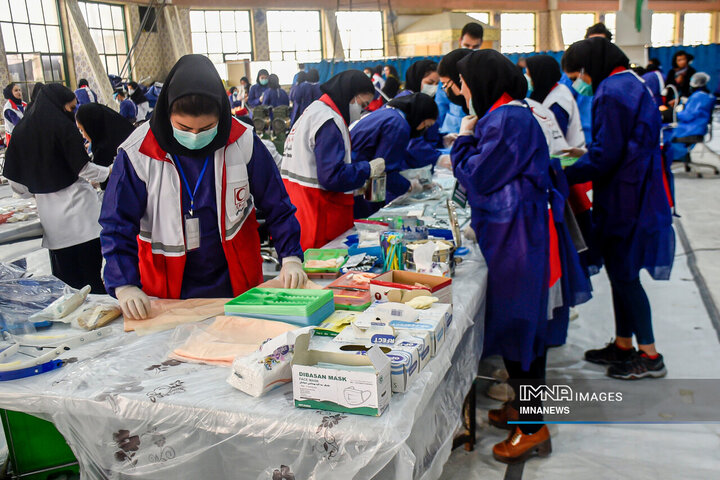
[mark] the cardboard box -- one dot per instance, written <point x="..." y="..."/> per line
<point x="404" y="366"/>
<point x="421" y="344"/>
<point x="401" y="286"/>
<point x="335" y="323"/>
<point x="433" y="321"/>
<point x="342" y="389"/>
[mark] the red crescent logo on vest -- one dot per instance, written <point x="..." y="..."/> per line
<point x="240" y="195"/>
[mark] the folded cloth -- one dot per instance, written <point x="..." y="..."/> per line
<point x="166" y="314"/>
<point x="226" y="338"/>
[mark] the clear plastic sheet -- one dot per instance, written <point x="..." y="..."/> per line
<point x="129" y="412"/>
<point x="21" y="297"/>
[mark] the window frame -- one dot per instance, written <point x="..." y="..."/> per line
<point x="346" y="50"/>
<point x="709" y="30"/>
<point x="282" y="52"/>
<point x="535" y="32"/>
<point x="562" y="14"/>
<point x="82" y="4"/>
<point x="674" y="30"/>
<point x="238" y="54"/>
<point x="44" y="56"/>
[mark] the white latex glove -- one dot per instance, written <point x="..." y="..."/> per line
<point x="469" y="233"/>
<point x="292" y="273"/>
<point x="415" y="186"/>
<point x="444" y="161"/>
<point x="449" y="139"/>
<point x="467" y="125"/>
<point x="377" y="167"/>
<point x="134" y="302"/>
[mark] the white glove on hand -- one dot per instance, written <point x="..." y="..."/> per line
<point x="449" y="139"/>
<point x="134" y="302"/>
<point x="292" y="273"/>
<point x="469" y="233"/>
<point x="377" y="167"/>
<point x="444" y="161"/>
<point x="467" y="125"/>
<point x="415" y="186"/>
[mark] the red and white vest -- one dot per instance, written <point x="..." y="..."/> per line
<point x="562" y="95"/>
<point x="9" y="105"/>
<point x="161" y="242"/>
<point x="323" y="215"/>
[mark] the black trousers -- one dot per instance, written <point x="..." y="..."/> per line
<point x="79" y="265"/>
<point x="532" y="376"/>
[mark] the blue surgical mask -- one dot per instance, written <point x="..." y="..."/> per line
<point x="530" y="85"/>
<point x="263" y="81"/>
<point x="582" y="87"/>
<point x="194" y="141"/>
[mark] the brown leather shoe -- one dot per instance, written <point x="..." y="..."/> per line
<point x="518" y="447"/>
<point x="500" y="416"/>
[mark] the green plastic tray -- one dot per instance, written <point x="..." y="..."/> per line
<point x="567" y="161"/>
<point x="324" y="254"/>
<point x="279" y="301"/>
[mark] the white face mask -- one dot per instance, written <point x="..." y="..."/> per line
<point x="131" y="91"/>
<point x="355" y="111"/>
<point x="428" y="89"/>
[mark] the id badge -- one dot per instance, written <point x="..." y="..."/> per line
<point x="192" y="233"/>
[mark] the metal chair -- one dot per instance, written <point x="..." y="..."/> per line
<point x="691" y="140"/>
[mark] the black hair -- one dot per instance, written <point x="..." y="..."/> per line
<point x="653" y="65"/>
<point x="475" y="30"/>
<point x="232" y="90"/>
<point x="195" y="105"/>
<point x="393" y="71"/>
<point x="598" y="29"/>
<point x="378" y="69"/>
<point x="640" y="70"/>
<point x="121" y="91"/>
<point x="83" y="83"/>
<point x="246" y="80"/>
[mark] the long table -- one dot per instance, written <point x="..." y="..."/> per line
<point x="128" y="412"/>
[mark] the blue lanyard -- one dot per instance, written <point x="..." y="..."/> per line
<point x="191" y="194"/>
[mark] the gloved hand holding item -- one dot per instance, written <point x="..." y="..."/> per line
<point x="449" y="139"/>
<point x="415" y="186"/>
<point x="134" y="302"/>
<point x="292" y="273"/>
<point x="444" y="161"/>
<point x="377" y="167"/>
<point x="467" y="125"/>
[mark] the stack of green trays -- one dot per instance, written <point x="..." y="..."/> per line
<point x="299" y="307"/>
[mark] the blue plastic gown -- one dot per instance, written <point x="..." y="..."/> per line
<point x="505" y="169"/>
<point x="631" y="211"/>
<point x="254" y="95"/>
<point x="424" y="150"/>
<point x="383" y="134"/>
<point x="693" y="120"/>
<point x="653" y="83"/>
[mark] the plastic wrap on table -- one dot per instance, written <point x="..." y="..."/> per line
<point x="11" y="271"/>
<point x="22" y="297"/>
<point x="128" y="412"/>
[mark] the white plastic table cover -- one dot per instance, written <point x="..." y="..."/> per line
<point x="129" y="413"/>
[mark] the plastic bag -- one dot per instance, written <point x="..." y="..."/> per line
<point x="22" y="297"/>
<point x="96" y="312"/>
<point x="63" y="306"/>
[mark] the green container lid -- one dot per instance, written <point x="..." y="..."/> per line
<point x="279" y="301"/>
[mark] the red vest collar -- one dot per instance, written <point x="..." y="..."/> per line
<point x="503" y="100"/>
<point x="152" y="149"/>
<point x="329" y="102"/>
<point x="617" y="70"/>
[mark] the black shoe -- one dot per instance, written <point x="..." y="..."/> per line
<point x="639" y="366"/>
<point x="611" y="354"/>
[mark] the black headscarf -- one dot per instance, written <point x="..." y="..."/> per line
<point x="597" y="56"/>
<point x="247" y="80"/>
<point x="192" y="74"/>
<point x="545" y="73"/>
<point x="137" y="96"/>
<point x="83" y="83"/>
<point x="448" y="68"/>
<point x="261" y="72"/>
<point x="8" y="94"/>
<point x="489" y="74"/>
<point x="391" y="87"/>
<point x="345" y="86"/>
<point x="47" y="151"/>
<point x="393" y="72"/>
<point x="35" y="92"/>
<point x="416" y="72"/>
<point x="301" y="77"/>
<point x="417" y="108"/>
<point x="273" y="81"/>
<point x="313" y="76"/>
<point x="106" y="128"/>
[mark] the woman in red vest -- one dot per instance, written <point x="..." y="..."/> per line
<point x="178" y="217"/>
